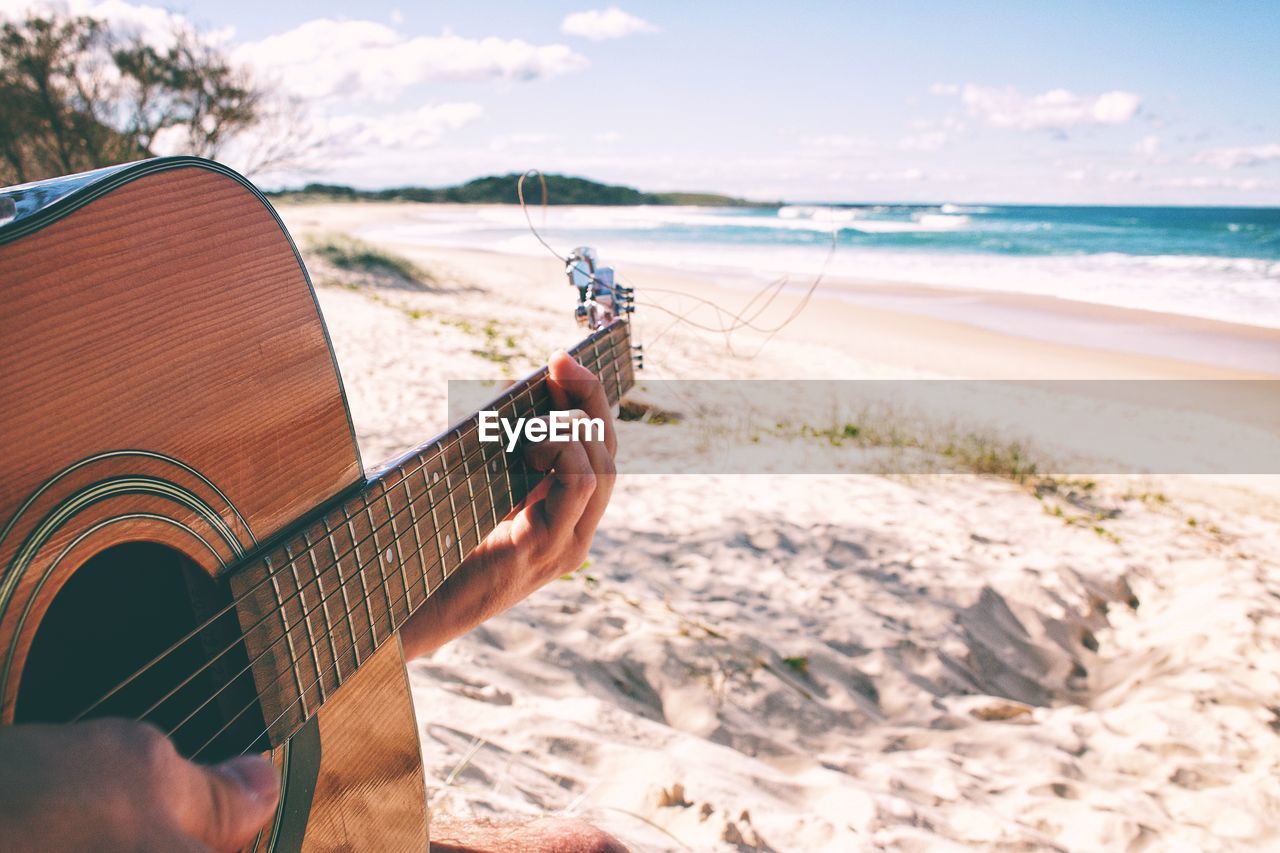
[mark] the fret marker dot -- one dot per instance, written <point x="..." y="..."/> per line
<point x="388" y="555"/>
<point x="448" y="540"/>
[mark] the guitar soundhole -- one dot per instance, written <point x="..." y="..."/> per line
<point x="118" y="613"/>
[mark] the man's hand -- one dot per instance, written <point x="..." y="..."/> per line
<point x="120" y="785"/>
<point x="546" y="537"/>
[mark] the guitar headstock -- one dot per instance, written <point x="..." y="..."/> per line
<point x="600" y="299"/>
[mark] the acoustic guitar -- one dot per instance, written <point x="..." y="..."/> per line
<point x="187" y="532"/>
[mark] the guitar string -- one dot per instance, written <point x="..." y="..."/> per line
<point x="340" y="589"/>
<point x="322" y="601"/>
<point x="442" y="445"/>
<point x="195" y="756"/>
<point x="320" y="673"/>
<point x="601" y="359"/>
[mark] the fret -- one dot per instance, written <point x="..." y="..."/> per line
<point x="312" y="645"/>
<point x="453" y="509"/>
<point x="376" y="528"/>
<point x="503" y="467"/>
<point x="491" y="464"/>
<point x="595" y="359"/>
<point x="395" y="541"/>
<point x="417" y="539"/>
<point x="342" y="587"/>
<point x="324" y="609"/>
<point x="364" y="586"/>
<point x="435" y="529"/>
<point x="373" y="533"/>
<point x="288" y="637"/>
<point x="527" y="476"/>
<point x="471" y="494"/>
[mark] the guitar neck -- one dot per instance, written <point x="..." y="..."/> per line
<point x="319" y="603"/>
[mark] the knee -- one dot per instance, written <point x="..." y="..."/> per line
<point x="568" y="835"/>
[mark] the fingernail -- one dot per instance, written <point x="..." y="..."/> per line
<point x="256" y="775"/>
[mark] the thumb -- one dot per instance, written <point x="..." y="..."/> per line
<point x="227" y="804"/>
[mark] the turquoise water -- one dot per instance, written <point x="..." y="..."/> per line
<point x="1247" y="233"/>
<point x="1217" y="263"/>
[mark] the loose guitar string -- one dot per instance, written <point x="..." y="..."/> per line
<point x="776" y="286"/>
<point x="529" y="390"/>
<point x="608" y="357"/>
<point x="561" y="257"/>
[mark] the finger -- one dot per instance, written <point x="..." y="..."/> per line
<point x="606" y="474"/>
<point x="573" y="386"/>
<point x="225" y="806"/>
<point x="568" y="490"/>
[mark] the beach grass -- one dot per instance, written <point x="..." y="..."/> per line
<point x="353" y="255"/>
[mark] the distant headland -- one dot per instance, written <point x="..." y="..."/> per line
<point x="501" y="189"/>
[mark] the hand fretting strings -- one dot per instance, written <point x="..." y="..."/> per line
<point x="534" y="390"/>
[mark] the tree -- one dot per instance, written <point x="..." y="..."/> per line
<point x="76" y="95"/>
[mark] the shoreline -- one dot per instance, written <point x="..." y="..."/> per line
<point x="942" y="331"/>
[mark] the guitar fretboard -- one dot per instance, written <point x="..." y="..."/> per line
<point x="319" y="603"/>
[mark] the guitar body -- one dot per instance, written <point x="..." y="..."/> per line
<point x="171" y="401"/>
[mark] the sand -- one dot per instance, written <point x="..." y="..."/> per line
<point x="839" y="663"/>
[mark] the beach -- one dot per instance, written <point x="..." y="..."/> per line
<point x="906" y="661"/>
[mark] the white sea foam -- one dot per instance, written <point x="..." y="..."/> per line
<point x="1243" y="290"/>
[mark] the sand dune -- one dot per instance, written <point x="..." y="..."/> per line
<point x="839" y="663"/>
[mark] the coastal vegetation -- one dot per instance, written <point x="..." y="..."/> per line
<point x="501" y="189"/>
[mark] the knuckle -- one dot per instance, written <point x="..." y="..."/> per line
<point x="608" y="467"/>
<point x="156" y="751"/>
<point x="222" y="817"/>
<point x="584" y="482"/>
<point x="138" y="740"/>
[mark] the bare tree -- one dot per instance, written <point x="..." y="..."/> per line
<point x="75" y="95"/>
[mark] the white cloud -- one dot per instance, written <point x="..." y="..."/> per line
<point x="519" y="140"/>
<point x="838" y="142"/>
<point x="406" y="130"/>
<point x="908" y="175"/>
<point x="1147" y="146"/>
<point x="152" y="24"/>
<point x="1231" y="158"/>
<point x="928" y="141"/>
<point x="944" y="89"/>
<point x="1057" y="109"/>
<point x="367" y="60"/>
<point x="1124" y="176"/>
<point x="1202" y="182"/>
<point x="599" y="24"/>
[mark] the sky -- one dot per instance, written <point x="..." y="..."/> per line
<point x="1029" y="102"/>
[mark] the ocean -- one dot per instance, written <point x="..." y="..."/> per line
<point x="1215" y="263"/>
